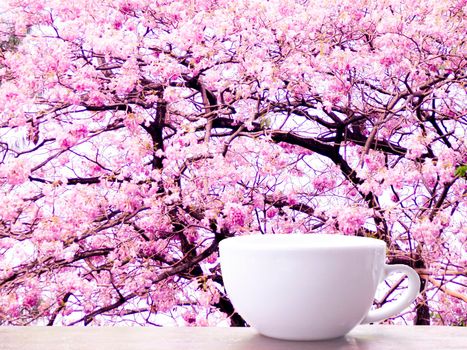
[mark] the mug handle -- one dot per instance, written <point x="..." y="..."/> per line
<point x="405" y="299"/>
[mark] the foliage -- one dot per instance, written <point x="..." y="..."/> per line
<point x="461" y="170"/>
<point x="136" y="135"/>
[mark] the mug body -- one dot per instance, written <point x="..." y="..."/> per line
<point x="302" y="286"/>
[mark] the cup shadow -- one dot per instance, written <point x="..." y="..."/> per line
<point x="261" y="342"/>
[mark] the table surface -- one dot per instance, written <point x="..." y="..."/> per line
<point x="368" y="337"/>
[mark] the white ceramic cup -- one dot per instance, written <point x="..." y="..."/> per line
<point x="309" y="286"/>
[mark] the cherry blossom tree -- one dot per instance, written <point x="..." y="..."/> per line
<point x="137" y="134"/>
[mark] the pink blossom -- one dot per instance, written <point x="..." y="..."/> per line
<point x="351" y="219"/>
<point x="235" y="214"/>
<point x="31" y="300"/>
<point x="15" y="171"/>
<point x="426" y="230"/>
<point x="323" y="183"/>
<point x="271" y="212"/>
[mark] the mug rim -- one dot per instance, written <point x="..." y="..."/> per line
<point x="300" y="241"/>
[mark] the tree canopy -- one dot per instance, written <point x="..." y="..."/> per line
<point x="137" y="134"/>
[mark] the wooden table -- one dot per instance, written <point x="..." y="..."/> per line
<point x="149" y="338"/>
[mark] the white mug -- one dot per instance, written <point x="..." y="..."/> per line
<point x="309" y="286"/>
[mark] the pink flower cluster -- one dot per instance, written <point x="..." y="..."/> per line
<point x="351" y="219"/>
